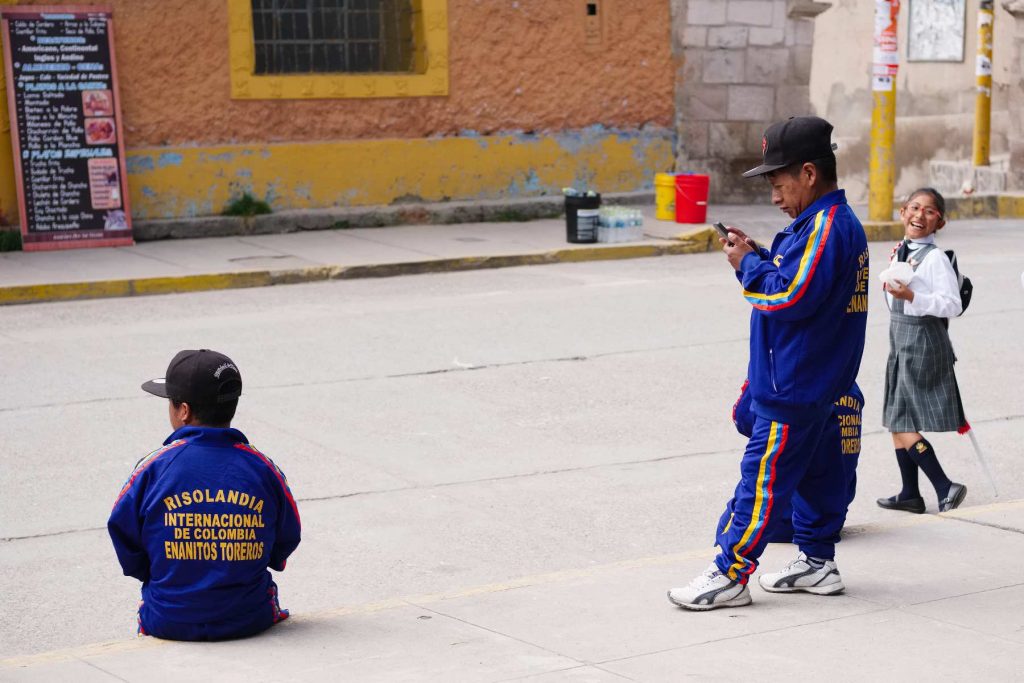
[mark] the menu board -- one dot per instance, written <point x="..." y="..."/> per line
<point x="66" y="127"/>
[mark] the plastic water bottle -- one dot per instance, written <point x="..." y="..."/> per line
<point x="620" y="224"/>
<point x="638" y="224"/>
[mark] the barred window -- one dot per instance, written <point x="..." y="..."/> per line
<point x="332" y="36"/>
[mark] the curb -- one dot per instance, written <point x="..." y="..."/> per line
<point x="697" y="242"/>
<point x="700" y="240"/>
<point x="995" y="206"/>
<point x="883" y="231"/>
<point x="1009" y="205"/>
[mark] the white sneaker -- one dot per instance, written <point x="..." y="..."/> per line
<point x="799" y="575"/>
<point x="710" y="590"/>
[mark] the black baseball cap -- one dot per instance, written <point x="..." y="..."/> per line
<point x="202" y="377"/>
<point x="796" y="140"/>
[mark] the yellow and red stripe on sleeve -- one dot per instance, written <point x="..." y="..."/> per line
<point x="250" y="449"/>
<point x="141" y="466"/>
<point x="805" y="272"/>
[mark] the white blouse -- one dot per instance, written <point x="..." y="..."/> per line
<point x="936" y="291"/>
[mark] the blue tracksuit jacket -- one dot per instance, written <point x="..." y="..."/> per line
<point x="809" y="298"/>
<point x="199" y="521"/>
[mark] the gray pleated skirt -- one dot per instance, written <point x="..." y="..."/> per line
<point x="921" y="393"/>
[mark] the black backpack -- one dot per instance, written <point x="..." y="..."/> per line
<point x="966" y="288"/>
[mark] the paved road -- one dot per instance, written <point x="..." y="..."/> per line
<point x="445" y="433"/>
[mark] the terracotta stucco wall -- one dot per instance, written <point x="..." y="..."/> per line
<point x="513" y="66"/>
<point x="540" y="104"/>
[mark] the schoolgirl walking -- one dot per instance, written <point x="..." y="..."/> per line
<point x="921" y="392"/>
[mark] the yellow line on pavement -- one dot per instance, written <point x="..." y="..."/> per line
<point x="82" y="652"/>
<point x="523" y="582"/>
<point x="114" y="647"/>
<point x="117" y="646"/>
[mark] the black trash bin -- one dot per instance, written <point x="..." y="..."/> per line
<point x="581" y="218"/>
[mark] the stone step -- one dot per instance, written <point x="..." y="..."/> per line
<point x="963" y="178"/>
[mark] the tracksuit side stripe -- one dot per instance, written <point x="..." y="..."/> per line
<point x="736" y="405"/>
<point x="764" y="499"/>
<point x="805" y="272"/>
<point x="141" y="466"/>
<point x="248" y="448"/>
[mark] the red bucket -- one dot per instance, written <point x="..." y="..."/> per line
<point x="691" y="198"/>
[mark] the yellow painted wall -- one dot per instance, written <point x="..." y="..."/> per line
<point x="190" y="181"/>
<point x="539" y="95"/>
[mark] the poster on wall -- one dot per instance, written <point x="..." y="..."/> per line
<point x="66" y="135"/>
<point x="885" y="55"/>
<point x="936" y="31"/>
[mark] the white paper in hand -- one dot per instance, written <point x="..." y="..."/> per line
<point x="900" y="270"/>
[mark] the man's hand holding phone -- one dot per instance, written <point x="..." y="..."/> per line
<point x="731" y="233"/>
<point x="735" y="243"/>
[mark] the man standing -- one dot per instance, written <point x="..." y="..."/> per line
<point x="809" y="298"/>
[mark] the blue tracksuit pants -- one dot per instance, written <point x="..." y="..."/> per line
<point x="783" y="465"/>
<point x="240" y="626"/>
<point x="842" y="438"/>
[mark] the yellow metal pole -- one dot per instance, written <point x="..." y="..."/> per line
<point x="983" y="74"/>
<point x="882" y="166"/>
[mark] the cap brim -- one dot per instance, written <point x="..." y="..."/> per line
<point x="762" y="169"/>
<point x="157" y="387"/>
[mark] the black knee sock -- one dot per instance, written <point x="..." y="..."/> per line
<point x="908" y="473"/>
<point x="924" y="456"/>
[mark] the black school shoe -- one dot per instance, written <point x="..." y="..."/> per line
<point x="956" y="495"/>
<point x="915" y="505"/>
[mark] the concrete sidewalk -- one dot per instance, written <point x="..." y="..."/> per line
<point x="188" y="265"/>
<point x="929" y="596"/>
<point x="185" y="265"/>
<point x="260" y="260"/>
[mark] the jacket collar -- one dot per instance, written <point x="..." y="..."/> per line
<point x="823" y="202"/>
<point x="209" y="435"/>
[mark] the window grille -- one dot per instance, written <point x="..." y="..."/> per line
<point x="332" y="36"/>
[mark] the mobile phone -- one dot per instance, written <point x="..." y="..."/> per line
<point x="724" y="232"/>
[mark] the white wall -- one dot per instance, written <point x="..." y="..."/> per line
<point x="934" y="101"/>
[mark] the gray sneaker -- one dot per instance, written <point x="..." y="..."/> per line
<point x="710" y="590"/>
<point x="799" y="575"/>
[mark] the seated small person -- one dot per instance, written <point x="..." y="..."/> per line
<point x="201" y="519"/>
